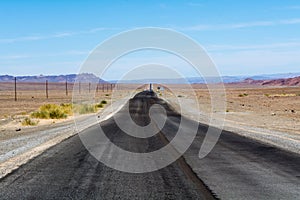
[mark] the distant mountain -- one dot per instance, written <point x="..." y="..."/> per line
<point x="191" y="80"/>
<point x="283" y="82"/>
<point x="86" y="77"/>
<point x="225" y="79"/>
<point x="71" y="78"/>
<point x="295" y="81"/>
<point x="236" y="79"/>
<point x="143" y="81"/>
<point x="274" y="76"/>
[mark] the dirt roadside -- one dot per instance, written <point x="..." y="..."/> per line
<point x="249" y="123"/>
<point x="33" y="141"/>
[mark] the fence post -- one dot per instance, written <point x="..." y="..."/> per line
<point x="102" y="87"/>
<point x="15" y="88"/>
<point x="66" y="87"/>
<point x="47" y="89"/>
<point x="79" y="87"/>
<point x="89" y="87"/>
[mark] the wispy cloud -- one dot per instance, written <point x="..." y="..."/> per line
<point x="272" y="46"/>
<point x="162" y="5"/>
<point x="292" y="7"/>
<point x="13" y="57"/>
<point x="54" y="35"/>
<point x="194" y="4"/>
<point x="290" y="21"/>
<point x="25" y="56"/>
<point x="207" y="27"/>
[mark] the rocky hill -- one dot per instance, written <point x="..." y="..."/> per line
<point x="71" y="78"/>
<point x="283" y="82"/>
<point x="295" y="81"/>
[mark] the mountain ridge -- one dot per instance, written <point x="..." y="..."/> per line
<point x="71" y="78"/>
<point x="265" y="79"/>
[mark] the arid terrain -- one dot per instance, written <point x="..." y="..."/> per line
<point x="271" y="107"/>
<point x="275" y="108"/>
<point x="30" y="96"/>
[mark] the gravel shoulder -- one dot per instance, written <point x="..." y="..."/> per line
<point x="17" y="148"/>
<point x="287" y="140"/>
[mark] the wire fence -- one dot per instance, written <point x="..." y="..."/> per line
<point x="15" y="89"/>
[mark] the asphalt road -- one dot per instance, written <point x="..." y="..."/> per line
<point x="237" y="168"/>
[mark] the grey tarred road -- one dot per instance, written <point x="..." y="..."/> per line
<point x="237" y="168"/>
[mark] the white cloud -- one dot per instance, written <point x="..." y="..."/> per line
<point x="54" y="35"/>
<point x="206" y="27"/>
<point x="290" y="21"/>
<point x="193" y="4"/>
<point x="13" y="57"/>
<point x="23" y="56"/>
<point x="293" y="7"/>
<point x="273" y="46"/>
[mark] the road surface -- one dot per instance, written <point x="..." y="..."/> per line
<point x="237" y="168"/>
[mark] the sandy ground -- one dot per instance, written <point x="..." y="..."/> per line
<point x="263" y="107"/>
<point x="30" y="96"/>
<point x="267" y="114"/>
<point x="271" y="108"/>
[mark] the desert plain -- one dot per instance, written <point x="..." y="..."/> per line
<point x="272" y="107"/>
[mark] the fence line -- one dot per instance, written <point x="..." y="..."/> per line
<point x="47" y="95"/>
<point x="15" y="88"/>
<point x="66" y="88"/>
<point x="20" y="87"/>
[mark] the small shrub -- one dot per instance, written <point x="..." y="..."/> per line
<point x="267" y="95"/>
<point x="40" y="114"/>
<point x="57" y="114"/>
<point x="99" y="105"/>
<point x="67" y="108"/>
<point x="179" y="96"/>
<point x="53" y="111"/>
<point x="85" y="108"/>
<point x="103" y="102"/>
<point x="29" y="122"/>
<point x="107" y="95"/>
<point x="243" y="95"/>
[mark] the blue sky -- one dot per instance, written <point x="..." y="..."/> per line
<point x="243" y="38"/>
